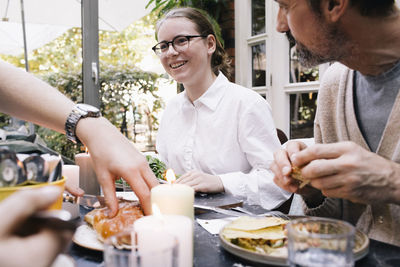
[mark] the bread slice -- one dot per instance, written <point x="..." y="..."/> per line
<point x="296" y="174"/>
<point x="128" y="212"/>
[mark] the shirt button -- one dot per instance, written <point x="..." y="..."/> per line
<point x="380" y="219"/>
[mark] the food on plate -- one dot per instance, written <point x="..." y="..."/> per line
<point x="128" y="212"/>
<point x="265" y="235"/>
<point x="296" y="174"/>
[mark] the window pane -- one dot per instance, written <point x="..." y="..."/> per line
<point x="298" y="73"/>
<point x="302" y="114"/>
<point x="258" y="64"/>
<point x="257" y="17"/>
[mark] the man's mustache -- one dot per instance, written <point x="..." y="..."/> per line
<point x="290" y="38"/>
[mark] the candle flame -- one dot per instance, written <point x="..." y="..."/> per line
<point x="170" y="176"/>
<point x="86" y="150"/>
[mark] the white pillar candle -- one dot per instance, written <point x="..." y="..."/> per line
<point x="155" y="248"/>
<point x="174" y="199"/>
<point x="87" y="176"/>
<point x="179" y="226"/>
<point x="71" y="173"/>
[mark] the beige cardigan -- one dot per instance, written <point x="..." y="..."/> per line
<point x="336" y="121"/>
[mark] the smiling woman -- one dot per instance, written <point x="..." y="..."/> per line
<point x="213" y="119"/>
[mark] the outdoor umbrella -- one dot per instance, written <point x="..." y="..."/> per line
<point x="45" y="20"/>
<point x="29" y="24"/>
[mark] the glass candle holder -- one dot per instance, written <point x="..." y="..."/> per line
<point x="148" y="249"/>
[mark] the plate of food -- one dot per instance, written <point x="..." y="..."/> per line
<point x="263" y="240"/>
<point x="98" y="227"/>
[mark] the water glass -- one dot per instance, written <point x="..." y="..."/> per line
<point x="320" y="242"/>
<point x="149" y="249"/>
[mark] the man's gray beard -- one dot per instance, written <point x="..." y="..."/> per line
<point x="334" y="45"/>
<point x="309" y="59"/>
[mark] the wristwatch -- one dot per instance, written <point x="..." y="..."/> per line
<point x="79" y="111"/>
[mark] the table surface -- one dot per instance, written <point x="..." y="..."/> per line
<point x="208" y="251"/>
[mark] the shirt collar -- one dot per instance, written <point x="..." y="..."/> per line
<point x="214" y="94"/>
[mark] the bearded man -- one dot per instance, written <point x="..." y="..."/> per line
<point x="354" y="169"/>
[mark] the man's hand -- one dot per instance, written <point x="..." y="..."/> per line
<point x="346" y="170"/>
<point x="202" y="182"/>
<point x="282" y="166"/>
<point x="40" y="248"/>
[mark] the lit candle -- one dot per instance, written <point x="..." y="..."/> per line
<point x="173" y="198"/>
<point x="179" y="226"/>
<point x="71" y="173"/>
<point x="88" y="179"/>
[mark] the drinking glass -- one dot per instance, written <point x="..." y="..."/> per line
<point x="320" y="242"/>
<point x="148" y="249"/>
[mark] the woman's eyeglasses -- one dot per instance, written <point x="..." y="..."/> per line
<point x="179" y="43"/>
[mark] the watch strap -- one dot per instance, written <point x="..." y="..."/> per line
<point x="78" y="112"/>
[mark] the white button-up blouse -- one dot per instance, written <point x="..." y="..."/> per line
<point x="228" y="132"/>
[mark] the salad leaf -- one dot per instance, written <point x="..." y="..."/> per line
<point x="157" y="166"/>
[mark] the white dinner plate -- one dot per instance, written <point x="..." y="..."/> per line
<point x="63" y="260"/>
<point x="128" y="195"/>
<point x="361" y="250"/>
<point x="86" y="237"/>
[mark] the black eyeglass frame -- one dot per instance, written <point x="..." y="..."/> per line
<point x="154" y="48"/>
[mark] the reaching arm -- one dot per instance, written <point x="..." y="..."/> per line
<point x="26" y="97"/>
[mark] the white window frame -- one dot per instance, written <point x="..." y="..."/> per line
<point x="278" y="88"/>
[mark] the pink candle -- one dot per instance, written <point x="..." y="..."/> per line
<point x="71" y="173"/>
<point x="88" y="179"/>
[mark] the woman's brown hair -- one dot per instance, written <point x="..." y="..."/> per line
<point x="220" y="60"/>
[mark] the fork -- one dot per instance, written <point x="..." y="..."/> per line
<point x="274" y="213"/>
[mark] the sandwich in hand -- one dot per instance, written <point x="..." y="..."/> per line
<point x="296" y="174"/>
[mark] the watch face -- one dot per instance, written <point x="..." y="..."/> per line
<point x="88" y="108"/>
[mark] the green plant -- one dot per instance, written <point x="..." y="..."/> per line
<point x="157" y="166"/>
<point x="125" y="90"/>
<point x="122" y="90"/>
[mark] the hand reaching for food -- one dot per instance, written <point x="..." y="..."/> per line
<point x="202" y="182"/>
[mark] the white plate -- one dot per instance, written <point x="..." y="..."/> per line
<point x="127" y="195"/>
<point x="86" y="237"/>
<point x="63" y="260"/>
<point x="360" y="251"/>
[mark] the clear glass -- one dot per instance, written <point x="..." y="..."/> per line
<point x="257" y="17"/>
<point x="259" y="58"/>
<point x="149" y="249"/>
<point x="302" y="114"/>
<point x="320" y="242"/>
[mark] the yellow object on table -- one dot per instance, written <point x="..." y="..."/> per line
<point x="7" y="191"/>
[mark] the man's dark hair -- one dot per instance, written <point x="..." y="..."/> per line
<point x="368" y="8"/>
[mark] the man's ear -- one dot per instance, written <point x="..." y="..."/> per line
<point x="333" y="10"/>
